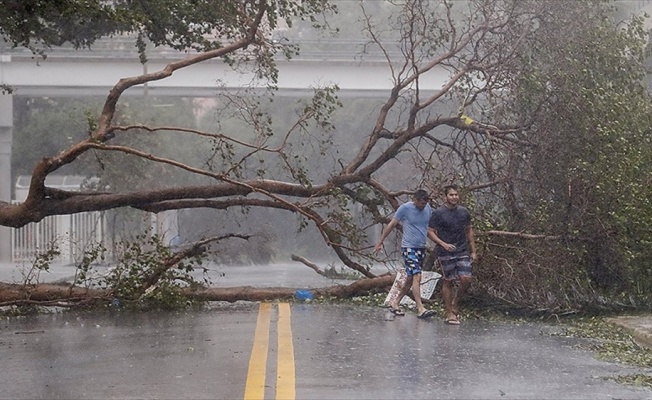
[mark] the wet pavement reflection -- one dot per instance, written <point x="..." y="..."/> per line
<point x="340" y="352"/>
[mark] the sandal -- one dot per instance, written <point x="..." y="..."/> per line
<point x="453" y="321"/>
<point x="396" y="311"/>
<point x="426" y="314"/>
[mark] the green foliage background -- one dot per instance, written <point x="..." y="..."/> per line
<point x="587" y="175"/>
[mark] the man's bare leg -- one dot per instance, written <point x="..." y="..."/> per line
<point x="395" y="305"/>
<point x="463" y="284"/>
<point x="416" y="292"/>
<point x="447" y="293"/>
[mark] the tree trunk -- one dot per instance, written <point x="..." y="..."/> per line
<point x="68" y="296"/>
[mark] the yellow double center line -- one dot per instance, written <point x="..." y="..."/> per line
<point x="285" y="384"/>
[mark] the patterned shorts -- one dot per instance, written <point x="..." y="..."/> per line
<point x="454" y="267"/>
<point x="413" y="259"/>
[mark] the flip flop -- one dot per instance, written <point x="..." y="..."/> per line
<point x="426" y="314"/>
<point x="397" y="311"/>
<point x="453" y="321"/>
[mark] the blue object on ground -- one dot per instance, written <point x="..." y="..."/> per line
<point x="303" y="295"/>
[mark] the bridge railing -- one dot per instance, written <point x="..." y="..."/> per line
<point x="123" y="47"/>
<point x="72" y="235"/>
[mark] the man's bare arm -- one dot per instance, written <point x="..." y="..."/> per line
<point x="432" y="234"/>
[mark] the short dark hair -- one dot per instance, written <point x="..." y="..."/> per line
<point x="421" y="194"/>
<point x="448" y="188"/>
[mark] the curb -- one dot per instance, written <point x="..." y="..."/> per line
<point x="639" y="327"/>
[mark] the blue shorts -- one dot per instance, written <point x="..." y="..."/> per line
<point x="413" y="259"/>
<point x="455" y="267"/>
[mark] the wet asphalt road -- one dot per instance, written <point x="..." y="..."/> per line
<point x="339" y="352"/>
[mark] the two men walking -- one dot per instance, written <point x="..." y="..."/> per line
<point x="449" y="226"/>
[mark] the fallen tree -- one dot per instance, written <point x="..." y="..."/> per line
<point x="360" y="287"/>
<point x="60" y="295"/>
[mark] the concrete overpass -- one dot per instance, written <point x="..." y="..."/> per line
<point x="92" y="76"/>
<point x="82" y="73"/>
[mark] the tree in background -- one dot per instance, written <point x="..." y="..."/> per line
<point x="583" y="179"/>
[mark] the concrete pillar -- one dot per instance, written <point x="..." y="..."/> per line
<point x="168" y="227"/>
<point x="6" y="136"/>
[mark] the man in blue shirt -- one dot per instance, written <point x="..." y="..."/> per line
<point x="451" y="224"/>
<point x="413" y="217"/>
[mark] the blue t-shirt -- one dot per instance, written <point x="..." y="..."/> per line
<point x="415" y="224"/>
<point x="451" y="225"/>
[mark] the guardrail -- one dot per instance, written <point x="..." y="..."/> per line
<point x="123" y="47"/>
<point x="70" y="234"/>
